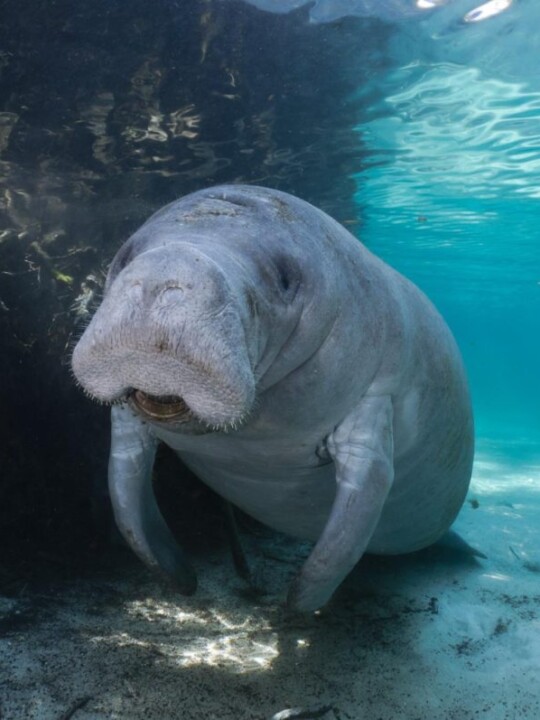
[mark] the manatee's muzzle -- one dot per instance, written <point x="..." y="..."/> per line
<point x="177" y="356"/>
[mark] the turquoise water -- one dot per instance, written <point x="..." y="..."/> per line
<point x="451" y="197"/>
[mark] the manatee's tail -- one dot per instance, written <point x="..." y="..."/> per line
<point x="456" y="543"/>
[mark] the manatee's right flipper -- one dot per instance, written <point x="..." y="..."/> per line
<point x="362" y="450"/>
<point x="133" y="449"/>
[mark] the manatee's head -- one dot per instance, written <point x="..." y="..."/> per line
<point x="215" y="299"/>
<point x="170" y="338"/>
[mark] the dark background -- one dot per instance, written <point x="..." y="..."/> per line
<point x="108" y="111"/>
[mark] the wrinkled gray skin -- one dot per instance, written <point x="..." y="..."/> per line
<point x="316" y="388"/>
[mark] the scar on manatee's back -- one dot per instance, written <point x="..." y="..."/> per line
<point x="283" y="210"/>
<point x="211" y="208"/>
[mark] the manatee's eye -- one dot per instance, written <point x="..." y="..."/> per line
<point x="288" y="276"/>
<point x="284" y="279"/>
<point x="162" y="407"/>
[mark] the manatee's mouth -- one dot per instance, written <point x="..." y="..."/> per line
<point x="164" y="408"/>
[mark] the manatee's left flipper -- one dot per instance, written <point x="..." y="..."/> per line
<point x="362" y="450"/>
<point x="133" y="449"/>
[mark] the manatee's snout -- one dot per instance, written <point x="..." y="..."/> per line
<point x="169" y="337"/>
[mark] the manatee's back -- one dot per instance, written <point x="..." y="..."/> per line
<point x="433" y="434"/>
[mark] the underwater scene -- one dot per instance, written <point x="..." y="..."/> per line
<point x="281" y="525"/>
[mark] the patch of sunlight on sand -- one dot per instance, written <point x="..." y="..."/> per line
<point x="505" y="472"/>
<point x="209" y="637"/>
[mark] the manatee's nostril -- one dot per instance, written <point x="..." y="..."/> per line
<point x="161" y="407"/>
<point x="170" y="293"/>
<point x="173" y="286"/>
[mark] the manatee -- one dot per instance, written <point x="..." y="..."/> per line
<point x="298" y="375"/>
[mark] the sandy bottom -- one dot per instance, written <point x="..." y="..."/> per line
<point x="432" y="635"/>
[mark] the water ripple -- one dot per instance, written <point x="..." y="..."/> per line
<point x="448" y="135"/>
